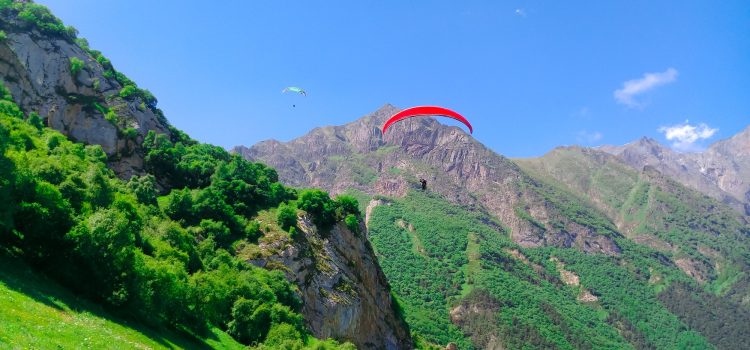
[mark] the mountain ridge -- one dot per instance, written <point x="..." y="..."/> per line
<point x="720" y="171"/>
<point x="455" y="165"/>
<point x="671" y="240"/>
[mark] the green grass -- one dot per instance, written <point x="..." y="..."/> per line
<point x="36" y="312"/>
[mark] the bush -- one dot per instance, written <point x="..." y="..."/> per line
<point x="35" y="120"/>
<point x="3" y="36"/>
<point x="318" y="204"/>
<point x="284" y="336"/>
<point x="286" y="216"/>
<point x="215" y="229"/>
<point x="347" y="205"/>
<point x="352" y="223"/>
<point x="111" y="117"/>
<point x="128" y="91"/>
<point x="76" y="64"/>
<point x="130" y="133"/>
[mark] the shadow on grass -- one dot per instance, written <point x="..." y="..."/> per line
<point x="18" y="276"/>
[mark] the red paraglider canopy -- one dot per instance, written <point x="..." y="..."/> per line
<point x="423" y="111"/>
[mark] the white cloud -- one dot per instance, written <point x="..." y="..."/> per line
<point x="634" y="87"/>
<point x="520" y="12"/>
<point x="589" y="137"/>
<point x="685" y="137"/>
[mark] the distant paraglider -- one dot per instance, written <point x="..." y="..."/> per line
<point x="423" y="111"/>
<point x="294" y="89"/>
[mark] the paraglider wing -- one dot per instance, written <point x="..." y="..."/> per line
<point x="423" y="111"/>
<point x="295" y="89"/>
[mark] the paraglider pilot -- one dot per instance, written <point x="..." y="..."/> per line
<point x="424" y="184"/>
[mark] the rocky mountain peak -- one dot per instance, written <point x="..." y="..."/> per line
<point x="721" y="171"/>
<point x="359" y="156"/>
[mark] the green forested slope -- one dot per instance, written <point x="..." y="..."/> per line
<point x="706" y="240"/>
<point x="460" y="278"/>
<point x="164" y="261"/>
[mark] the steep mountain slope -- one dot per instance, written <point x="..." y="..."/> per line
<point x="74" y="89"/>
<point x="174" y="246"/>
<point x="358" y="156"/>
<point x="721" y="171"/>
<point x="705" y="239"/>
<point x="495" y="255"/>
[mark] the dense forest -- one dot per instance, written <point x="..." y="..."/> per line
<point x="461" y="279"/>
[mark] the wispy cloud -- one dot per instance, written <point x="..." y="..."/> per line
<point x="583" y="112"/>
<point x="632" y="88"/>
<point x="686" y="137"/>
<point x="585" y="137"/>
<point x="520" y="12"/>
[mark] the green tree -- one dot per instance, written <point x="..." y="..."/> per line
<point x="144" y="188"/>
<point x="347" y="205"/>
<point x="105" y="243"/>
<point x="318" y="204"/>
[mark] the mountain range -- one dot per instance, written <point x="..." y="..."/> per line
<point x="620" y="203"/>
<point x="110" y="214"/>
<point x="722" y="171"/>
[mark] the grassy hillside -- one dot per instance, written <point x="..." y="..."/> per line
<point x="461" y="279"/>
<point x="39" y="313"/>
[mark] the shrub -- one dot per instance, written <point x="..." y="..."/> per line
<point x="318" y="204"/>
<point x="347" y="205"/>
<point x="352" y="223"/>
<point x="128" y="91"/>
<point x="111" y="117"/>
<point x="35" y="120"/>
<point x="3" y="36"/>
<point x="76" y="64"/>
<point x="130" y="133"/>
<point x="215" y="229"/>
<point x="43" y="19"/>
<point x="287" y="216"/>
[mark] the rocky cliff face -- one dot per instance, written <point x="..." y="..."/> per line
<point x="37" y="68"/>
<point x="722" y="171"/>
<point x="357" y="155"/>
<point x="345" y="293"/>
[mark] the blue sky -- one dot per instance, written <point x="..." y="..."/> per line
<point x="529" y="75"/>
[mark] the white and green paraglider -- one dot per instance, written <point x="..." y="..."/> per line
<point x="294" y="89"/>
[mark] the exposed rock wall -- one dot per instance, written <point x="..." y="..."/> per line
<point x="345" y="293"/>
<point x="36" y="68"/>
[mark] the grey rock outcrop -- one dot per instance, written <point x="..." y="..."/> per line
<point x="345" y="293"/>
<point x="36" y="68"/>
